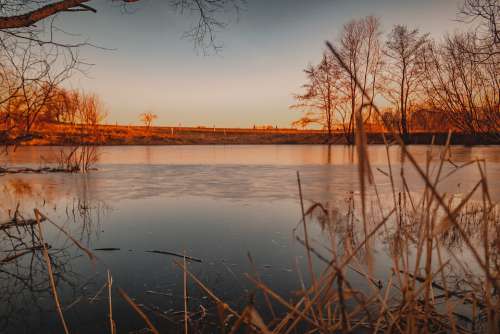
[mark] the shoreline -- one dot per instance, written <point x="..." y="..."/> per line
<point x="111" y="135"/>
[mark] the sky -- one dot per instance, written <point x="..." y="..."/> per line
<point x="149" y="66"/>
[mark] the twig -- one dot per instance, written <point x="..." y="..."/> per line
<point x="136" y="308"/>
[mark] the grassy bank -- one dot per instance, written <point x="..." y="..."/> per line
<point x="139" y="135"/>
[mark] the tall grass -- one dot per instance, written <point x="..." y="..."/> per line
<point x="78" y="158"/>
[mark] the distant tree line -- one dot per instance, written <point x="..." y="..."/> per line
<point x="425" y="85"/>
<point x="36" y="105"/>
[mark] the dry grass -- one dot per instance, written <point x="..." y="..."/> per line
<point x="68" y="135"/>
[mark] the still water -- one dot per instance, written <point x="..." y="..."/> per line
<point x="215" y="203"/>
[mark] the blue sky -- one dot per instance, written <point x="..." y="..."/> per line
<point x="250" y="81"/>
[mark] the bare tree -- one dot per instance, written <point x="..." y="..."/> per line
<point x="332" y="90"/>
<point x="403" y="49"/>
<point x="91" y="110"/>
<point x="83" y="153"/>
<point x="350" y="50"/>
<point x="147" y="118"/>
<point x="461" y="86"/>
<point x="58" y="107"/>
<point x="31" y="73"/>
<point x="303" y="122"/>
<point x="360" y="49"/>
<point x="321" y="96"/>
<point x="372" y="59"/>
<point x="485" y="14"/>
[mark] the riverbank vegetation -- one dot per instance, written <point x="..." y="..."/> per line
<point x="69" y="135"/>
<point x="28" y="120"/>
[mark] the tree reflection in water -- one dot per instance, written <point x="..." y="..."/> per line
<point x="25" y="291"/>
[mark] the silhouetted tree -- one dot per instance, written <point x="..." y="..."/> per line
<point x="403" y="71"/>
<point x="321" y="96"/>
<point x="462" y="85"/>
<point x="303" y="122"/>
<point x="485" y="15"/>
<point x="359" y="47"/>
<point x="350" y="50"/>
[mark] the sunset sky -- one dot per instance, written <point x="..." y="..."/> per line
<point x="250" y="81"/>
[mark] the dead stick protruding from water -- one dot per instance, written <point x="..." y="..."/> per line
<point x="112" y="325"/>
<point x="137" y="309"/>
<point x="186" y="317"/>
<point x="76" y="242"/>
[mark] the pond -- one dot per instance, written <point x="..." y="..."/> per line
<point x="213" y="203"/>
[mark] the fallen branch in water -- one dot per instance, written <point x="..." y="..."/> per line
<point x="11" y="258"/>
<point x="4" y="171"/>
<point x="22" y="170"/>
<point x="188" y="258"/>
<point x="15" y="222"/>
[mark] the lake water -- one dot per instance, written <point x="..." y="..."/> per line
<point x="215" y="203"/>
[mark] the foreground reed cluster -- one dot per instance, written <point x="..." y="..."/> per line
<point x="440" y="275"/>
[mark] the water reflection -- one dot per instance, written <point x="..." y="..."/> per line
<point x="25" y="296"/>
<point x="246" y="155"/>
<point x="212" y="202"/>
